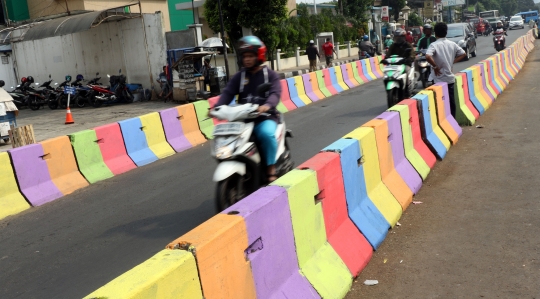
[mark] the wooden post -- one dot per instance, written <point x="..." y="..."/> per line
<point x="22" y="136"/>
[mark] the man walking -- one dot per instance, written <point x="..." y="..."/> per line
<point x="442" y="54"/>
<point x="329" y="51"/>
<point x="312" y="54"/>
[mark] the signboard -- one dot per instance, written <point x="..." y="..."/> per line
<point x="186" y="73"/>
<point x="447" y="3"/>
<point x="428" y="9"/>
<point x="384" y="14"/>
<point x="70" y="90"/>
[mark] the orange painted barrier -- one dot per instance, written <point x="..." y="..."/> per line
<point x="441" y="114"/>
<point x="190" y="126"/>
<point x="218" y="246"/>
<point x="390" y="177"/>
<point x="62" y="165"/>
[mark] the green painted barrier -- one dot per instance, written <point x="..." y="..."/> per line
<point x="322" y="84"/>
<point x="206" y="124"/>
<point x="88" y="155"/>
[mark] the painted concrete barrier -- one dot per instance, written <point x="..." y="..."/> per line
<point x="335" y="83"/>
<point x="89" y="158"/>
<point x="329" y="82"/>
<point x="339" y="78"/>
<point x="401" y="164"/>
<point x="155" y="136"/>
<point x="390" y="177"/>
<point x="318" y="261"/>
<point x="376" y="189"/>
<point x="136" y="143"/>
<point x="267" y="217"/>
<point x="190" y="125"/>
<point x="366" y="66"/>
<point x="33" y="175"/>
<point x="374" y="62"/>
<point x="316" y="86"/>
<point x="347" y="77"/>
<point x="206" y="124"/>
<point x="301" y="90"/>
<point x="12" y="201"/>
<point x="218" y="246"/>
<point x="432" y="134"/>
<point x="361" y="71"/>
<point x="174" y="133"/>
<point x="111" y="144"/>
<point x="58" y="154"/>
<point x="362" y="211"/>
<point x="165" y="275"/>
<point x="324" y="87"/>
<point x="285" y="97"/>
<point x="446" y="121"/>
<point x="309" y="90"/>
<point x="466" y="113"/>
<point x="479" y="104"/>
<point x="342" y="234"/>
<point x="293" y="92"/>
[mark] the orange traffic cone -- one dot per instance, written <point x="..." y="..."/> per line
<point x="69" y="117"/>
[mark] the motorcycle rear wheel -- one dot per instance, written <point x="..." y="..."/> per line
<point x="53" y="104"/>
<point x="392" y="97"/>
<point x="34" y="103"/>
<point x="97" y="103"/>
<point x="227" y="193"/>
<point x="128" y="96"/>
<point x="80" y="102"/>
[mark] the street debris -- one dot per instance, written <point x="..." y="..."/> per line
<point x="479" y="126"/>
<point x="385" y="260"/>
<point x="416" y="202"/>
<point x="371" y="282"/>
<point x="398" y="224"/>
<point x="401" y="261"/>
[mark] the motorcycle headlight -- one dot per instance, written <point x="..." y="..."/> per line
<point x="423" y="64"/>
<point x="224" y="152"/>
<point x="224" y="147"/>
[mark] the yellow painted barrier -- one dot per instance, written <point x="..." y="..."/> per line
<point x="155" y="136"/>
<point x="299" y="83"/>
<point x="339" y="76"/>
<point x="168" y="274"/>
<point x="11" y="200"/>
<point x="434" y="123"/>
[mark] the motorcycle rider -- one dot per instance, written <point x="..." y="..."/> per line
<point x="366" y="46"/>
<point x="252" y="51"/>
<point x="499" y="27"/>
<point x="403" y="49"/>
<point x="427" y="39"/>
<point x="388" y="41"/>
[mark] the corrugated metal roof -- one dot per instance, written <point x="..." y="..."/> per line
<point x="62" y="26"/>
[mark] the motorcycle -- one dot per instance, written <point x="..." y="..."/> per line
<point x="396" y="77"/>
<point x="241" y="170"/>
<point x="488" y="31"/>
<point x="85" y="94"/>
<point x="19" y="97"/>
<point x="118" y="92"/>
<point x="59" y="98"/>
<point x="499" y="39"/>
<point x="422" y="67"/>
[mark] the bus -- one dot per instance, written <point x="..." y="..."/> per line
<point x="489" y="14"/>
<point x="529" y="15"/>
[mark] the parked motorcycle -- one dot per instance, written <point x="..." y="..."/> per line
<point x="499" y="39"/>
<point x="395" y="79"/>
<point x="118" y="92"/>
<point x="60" y="99"/>
<point x="241" y="169"/>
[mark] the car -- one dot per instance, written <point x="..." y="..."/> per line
<point x="516" y="22"/>
<point x="463" y="36"/>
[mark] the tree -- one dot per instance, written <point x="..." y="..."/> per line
<point x="357" y="9"/>
<point x="264" y="17"/>
<point x="524" y="5"/>
<point x="508" y="7"/>
<point x="414" y="20"/>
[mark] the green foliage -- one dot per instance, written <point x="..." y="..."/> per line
<point x="524" y="5"/>
<point x="415" y="20"/>
<point x="508" y="7"/>
<point x="357" y="9"/>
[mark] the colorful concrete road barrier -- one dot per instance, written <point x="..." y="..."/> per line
<point x="111" y="144"/>
<point x="89" y="158"/>
<point x="11" y="200"/>
<point x="136" y="143"/>
<point x="174" y="133"/>
<point x="155" y="136"/>
<point x="190" y="126"/>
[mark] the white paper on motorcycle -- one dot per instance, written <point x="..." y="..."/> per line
<point x="233" y="128"/>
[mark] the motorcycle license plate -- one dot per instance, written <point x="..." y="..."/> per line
<point x="234" y="128"/>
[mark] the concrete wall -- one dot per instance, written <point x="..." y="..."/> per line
<point x="7" y="73"/>
<point x="104" y="49"/>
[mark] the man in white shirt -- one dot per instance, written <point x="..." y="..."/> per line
<point x="442" y="55"/>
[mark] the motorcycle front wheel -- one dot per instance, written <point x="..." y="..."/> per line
<point x="80" y="101"/>
<point x="34" y="103"/>
<point x="392" y="97"/>
<point x="53" y="104"/>
<point x="228" y="192"/>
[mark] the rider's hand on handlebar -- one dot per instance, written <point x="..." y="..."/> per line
<point x="263" y="109"/>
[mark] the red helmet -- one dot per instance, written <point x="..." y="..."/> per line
<point x="254" y="45"/>
<point x="23" y="79"/>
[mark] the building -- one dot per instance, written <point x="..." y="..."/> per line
<point x="320" y="7"/>
<point x="18" y="10"/>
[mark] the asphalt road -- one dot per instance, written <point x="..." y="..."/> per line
<point x="70" y="247"/>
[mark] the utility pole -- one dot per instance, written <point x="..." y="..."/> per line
<point x="6" y="14"/>
<point x="223" y="40"/>
<point x="67" y="8"/>
<point x="315" y="6"/>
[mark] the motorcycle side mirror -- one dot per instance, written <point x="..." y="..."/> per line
<point x="263" y="88"/>
<point x="36" y="83"/>
<point x="97" y="74"/>
<point x="108" y="75"/>
<point x="56" y="83"/>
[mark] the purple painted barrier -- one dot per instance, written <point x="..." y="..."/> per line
<point x="374" y="68"/>
<point x="173" y="130"/>
<point x="33" y="174"/>
<point x="272" y="253"/>
<point x="309" y="88"/>
<point x="447" y="112"/>
<point x="402" y="165"/>
<point x="345" y="75"/>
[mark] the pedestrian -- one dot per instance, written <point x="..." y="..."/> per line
<point x="312" y="54"/>
<point x="409" y="37"/>
<point x="329" y="51"/>
<point x="375" y="40"/>
<point x="441" y="55"/>
<point x="205" y="72"/>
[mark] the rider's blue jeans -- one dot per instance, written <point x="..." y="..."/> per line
<point x="265" y="132"/>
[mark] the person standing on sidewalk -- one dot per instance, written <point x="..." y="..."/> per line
<point x="329" y="51"/>
<point x="442" y="54"/>
<point x="312" y="54"/>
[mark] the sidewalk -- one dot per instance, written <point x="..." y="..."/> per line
<point x="475" y="234"/>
